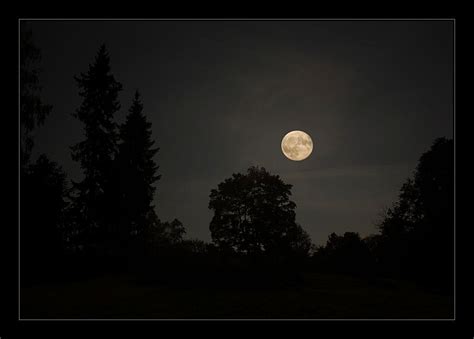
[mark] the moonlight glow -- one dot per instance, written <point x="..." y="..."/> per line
<point x="297" y="145"/>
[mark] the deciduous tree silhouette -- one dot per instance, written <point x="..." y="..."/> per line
<point x="172" y="232"/>
<point x="345" y="254"/>
<point x="417" y="233"/>
<point x="94" y="200"/>
<point x="196" y="246"/>
<point x="253" y="214"/>
<point x="163" y="234"/>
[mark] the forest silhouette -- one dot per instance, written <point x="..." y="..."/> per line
<point x="104" y="227"/>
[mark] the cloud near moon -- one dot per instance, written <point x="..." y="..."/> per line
<point x="297" y="145"/>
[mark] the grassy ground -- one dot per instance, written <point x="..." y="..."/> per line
<point x="320" y="296"/>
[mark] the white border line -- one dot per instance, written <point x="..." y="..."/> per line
<point x="241" y="19"/>
<point x="454" y="140"/>
<point x="238" y="19"/>
<point x="19" y="164"/>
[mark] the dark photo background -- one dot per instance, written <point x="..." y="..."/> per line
<point x="120" y="193"/>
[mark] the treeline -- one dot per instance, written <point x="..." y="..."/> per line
<point x="416" y="235"/>
<point x="107" y="221"/>
<point x="110" y="212"/>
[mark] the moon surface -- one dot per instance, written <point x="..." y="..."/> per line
<point x="297" y="145"/>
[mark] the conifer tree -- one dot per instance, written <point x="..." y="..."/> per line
<point x="137" y="171"/>
<point x="94" y="202"/>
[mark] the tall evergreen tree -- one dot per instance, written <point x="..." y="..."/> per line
<point x="94" y="194"/>
<point x="32" y="109"/>
<point x="137" y="171"/>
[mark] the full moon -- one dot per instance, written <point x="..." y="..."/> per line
<point x="297" y="145"/>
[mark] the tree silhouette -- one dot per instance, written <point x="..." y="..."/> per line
<point x="32" y="109"/>
<point x="345" y="254"/>
<point x="253" y="214"/>
<point x="137" y="171"/>
<point x="94" y="195"/>
<point x="172" y="232"/>
<point x="43" y="188"/>
<point x="159" y="234"/>
<point x="196" y="246"/>
<point x="417" y="234"/>
<point x="43" y="202"/>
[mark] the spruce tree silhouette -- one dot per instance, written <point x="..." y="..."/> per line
<point x="94" y="197"/>
<point x="137" y="173"/>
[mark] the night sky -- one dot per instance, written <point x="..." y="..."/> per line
<point x="373" y="95"/>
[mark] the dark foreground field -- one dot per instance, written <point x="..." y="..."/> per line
<point x="318" y="296"/>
